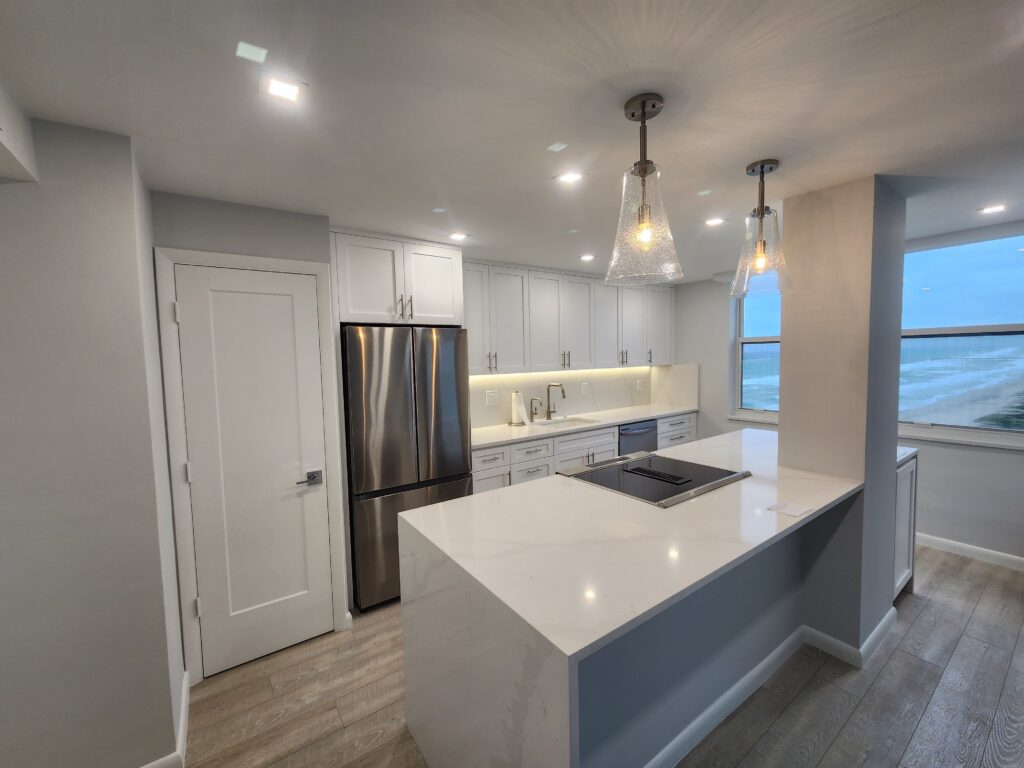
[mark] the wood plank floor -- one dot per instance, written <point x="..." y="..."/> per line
<point x="945" y="688"/>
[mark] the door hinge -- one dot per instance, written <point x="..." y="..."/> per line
<point x="177" y="311"/>
<point x="188" y="472"/>
<point x="199" y="610"/>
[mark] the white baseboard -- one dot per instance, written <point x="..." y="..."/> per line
<point x="724" y="705"/>
<point x="177" y="758"/>
<point x="969" y="550"/>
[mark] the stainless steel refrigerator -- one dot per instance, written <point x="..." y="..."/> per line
<point x="407" y="429"/>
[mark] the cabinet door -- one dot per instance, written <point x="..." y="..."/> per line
<point x="369" y="279"/>
<point x="476" y="317"/>
<point x="490" y="480"/>
<point x="510" y="321"/>
<point x="545" y="319"/>
<point x="658" y="324"/>
<point x="572" y="460"/>
<point x="578" y="321"/>
<point x="433" y="285"/>
<point x="906" y="502"/>
<point x="607" y="349"/>
<point x="604" y="453"/>
<point x="631" y="324"/>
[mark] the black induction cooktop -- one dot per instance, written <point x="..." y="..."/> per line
<point x="655" y="479"/>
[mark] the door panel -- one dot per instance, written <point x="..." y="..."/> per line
<point x="370" y="280"/>
<point x="578" y="321"/>
<point x="442" y="402"/>
<point x="658" y="325"/>
<point x="433" y="284"/>
<point x="250" y="359"/>
<point x="545" y="317"/>
<point x="607" y="346"/>
<point x="476" y="317"/>
<point x="632" y="325"/>
<point x="375" y="537"/>
<point x="380" y="408"/>
<point x="510" y="327"/>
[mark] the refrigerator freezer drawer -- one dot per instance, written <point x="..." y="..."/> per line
<point x="375" y="536"/>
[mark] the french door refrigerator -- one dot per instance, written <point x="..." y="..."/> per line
<point x="407" y="428"/>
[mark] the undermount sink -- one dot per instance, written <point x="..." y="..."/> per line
<point x="562" y="421"/>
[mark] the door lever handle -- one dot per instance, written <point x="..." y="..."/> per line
<point x="313" y="477"/>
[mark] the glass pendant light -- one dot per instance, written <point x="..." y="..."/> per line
<point x="643" y="250"/>
<point x="762" y="267"/>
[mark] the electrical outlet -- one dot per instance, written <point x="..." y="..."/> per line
<point x="492" y="397"/>
<point x="585" y="389"/>
<point x="639" y="385"/>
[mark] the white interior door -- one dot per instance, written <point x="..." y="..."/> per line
<point x="607" y="349"/>
<point x="545" y="318"/>
<point x="433" y="284"/>
<point x="254" y="419"/>
<point x="476" y="317"/>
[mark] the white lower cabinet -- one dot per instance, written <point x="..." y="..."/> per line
<point x="669" y="439"/>
<point x="490" y="479"/>
<point x="906" y="523"/>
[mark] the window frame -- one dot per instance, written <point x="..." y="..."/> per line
<point x="739" y="413"/>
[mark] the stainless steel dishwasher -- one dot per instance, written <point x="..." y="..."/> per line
<point x="638" y="436"/>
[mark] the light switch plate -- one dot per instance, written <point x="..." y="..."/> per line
<point x="585" y="389"/>
<point x="492" y="397"/>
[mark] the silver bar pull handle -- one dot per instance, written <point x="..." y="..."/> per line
<point x="568" y="356"/>
<point x="627" y="357"/>
<point x="313" y="477"/>
<point x="495" y="362"/>
<point x="650" y="356"/>
<point x="563" y="359"/>
<point x="411" y="315"/>
<point x="488" y="361"/>
<point x="401" y="307"/>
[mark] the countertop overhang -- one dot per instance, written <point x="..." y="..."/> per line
<point x="582" y="565"/>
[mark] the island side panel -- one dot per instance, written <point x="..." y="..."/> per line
<point x="482" y="687"/>
<point x="642" y="696"/>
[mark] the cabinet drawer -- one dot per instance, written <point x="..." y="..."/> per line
<point x="490" y="458"/>
<point x="490" y="479"/>
<point x="675" y="423"/>
<point x="590" y="439"/>
<point x="675" y="438"/>
<point x="535" y="449"/>
<point x="532" y="470"/>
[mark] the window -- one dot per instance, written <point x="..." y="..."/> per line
<point x="962" y="349"/>
<point x="760" y="316"/>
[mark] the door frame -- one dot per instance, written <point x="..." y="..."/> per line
<point x="165" y="259"/>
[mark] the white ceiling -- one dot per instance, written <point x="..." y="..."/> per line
<point x="417" y="104"/>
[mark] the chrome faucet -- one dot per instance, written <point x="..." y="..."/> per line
<point x="533" y="409"/>
<point x="551" y="408"/>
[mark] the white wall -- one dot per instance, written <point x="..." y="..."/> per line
<point x="199" y="224"/>
<point x="17" y="153"/>
<point x="85" y="678"/>
<point x="965" y="493"/>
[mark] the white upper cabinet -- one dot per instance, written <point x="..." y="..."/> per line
<point x="476" y="317"/>
<point x="433" y="285"/>
<point x="577" y="321"/>
<point x="658" y="325"/>
<point x="370" y="277"/>
<point x="607" y="304"/>
<point x="510" y="319"/>
<point x="386" y="281"/>
<point x="546" y="350"/>
<point x="631" y="324"/>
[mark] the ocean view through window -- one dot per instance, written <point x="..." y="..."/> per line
<point x="962" y="347"/>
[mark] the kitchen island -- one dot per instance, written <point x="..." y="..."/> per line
<point x="556" y="623"/>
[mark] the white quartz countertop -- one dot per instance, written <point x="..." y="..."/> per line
<point x="582" y="564"/>
<point x="484" y="437"/>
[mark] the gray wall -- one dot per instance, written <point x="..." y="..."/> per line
<point x="84" y="641"/>
<point x="17" y="154"/>
<point x="195" y="223"/>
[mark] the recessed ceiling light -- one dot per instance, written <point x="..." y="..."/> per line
<point x="557" y="147"/>
<point x="587" y="257"/>
<point x="570" y="177"/>
<point x="993" y="208"/>
<point x="458" y="235"/>
<point x="714" y="222"/>
<point x="573" y="231"/>
<point x="439" y="210"/>
<point x="704" y="193"/>
<point x="251" y="52"/>
<point x="283" y="89"/>
<point x="590" y="594"/>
